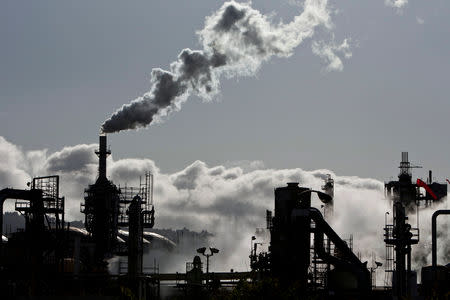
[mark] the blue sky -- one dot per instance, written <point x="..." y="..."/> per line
<point x="65" y="66"/>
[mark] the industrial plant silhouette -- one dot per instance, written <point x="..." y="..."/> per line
<point x="306" y="259"/>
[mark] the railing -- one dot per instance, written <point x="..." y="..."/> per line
<point x="390" y="236"/>
<point x="21" y="205"/>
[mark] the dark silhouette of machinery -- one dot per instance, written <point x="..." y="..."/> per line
<point x="408" y="193"/>
<point x="38" y="250"/>
<point x="291" y="228"/>
<point x="101" y="208"/>
<point x="194" y="272"/>
<point x="108" y="207"/>
<point x="436" y="278"/>
<point x="328" y="188"/>
<point x="400" y="235"/>
<point x="50" y="258"/>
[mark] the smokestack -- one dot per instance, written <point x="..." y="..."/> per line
<point x="102" y="154"/>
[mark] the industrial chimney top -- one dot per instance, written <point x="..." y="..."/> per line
<point x="102" y="154"/>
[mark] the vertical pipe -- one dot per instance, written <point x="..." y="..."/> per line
<point x="58" y="206"/>
<point x="207" y="269"/>
<point x="102" y="154"/>
<point x="63" y="199"/>
<point x="408" y="259"/>
<point x="433" y="234"/>
<point x="400" y="249"/>
<point x="135" y="238"/>
<point x="408" y="271"/>
<point x="2" y="200"/>
<point x="102" y="157"/>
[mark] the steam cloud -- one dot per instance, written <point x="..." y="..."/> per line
<point x="328" y="52"/>
<point x="396" y="3"/>
<point x="236" y="40"/>
<point x="227" y="200"/>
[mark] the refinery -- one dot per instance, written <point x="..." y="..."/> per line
<point x="306" y="259"/>
<point x="243" y="220"/>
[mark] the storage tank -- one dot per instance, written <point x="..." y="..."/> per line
<point x="290" y="236"/>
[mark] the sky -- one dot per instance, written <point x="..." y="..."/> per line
<point x="66" y="67"/>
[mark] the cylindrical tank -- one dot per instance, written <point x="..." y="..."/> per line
<point x="286" y="199"/>
<point x="290" y="236"/>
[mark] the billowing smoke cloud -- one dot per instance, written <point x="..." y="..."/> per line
<point x="236" y="40"/>
<point x="227" y="200"/>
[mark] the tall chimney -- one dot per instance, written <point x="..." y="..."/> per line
<point x="102" y="154"/>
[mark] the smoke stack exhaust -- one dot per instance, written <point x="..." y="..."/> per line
<point x="102" y="154"/>
<point x="236" y="40"/>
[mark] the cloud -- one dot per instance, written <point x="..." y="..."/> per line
<point x="396" y="3"/>
<point x="331" y="52"/>
<point x="187" y="179"/>
<point x="246" y="165"/>
<point x="420" y="20"/>
<point x="71" y="159"/>
<point x="11" y="165"/>
<point x="124" y="169"/>
<point x="36" y="160"/>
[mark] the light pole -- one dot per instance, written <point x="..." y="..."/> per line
<point x="202" y="251"/>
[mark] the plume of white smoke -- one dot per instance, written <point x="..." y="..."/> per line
<point x="236" y="40"/>
<point x="226" y="200"/>
<point x="329" y="52"/>
<point x="396" y="3"/>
